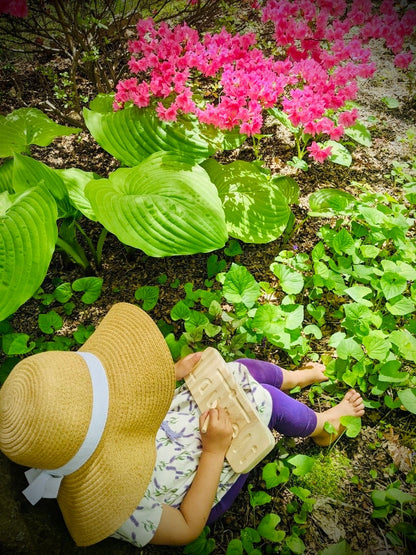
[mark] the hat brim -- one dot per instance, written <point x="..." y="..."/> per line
<point x="97" y="499"/>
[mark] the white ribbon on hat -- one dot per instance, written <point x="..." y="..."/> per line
<point x="46" y="483"/>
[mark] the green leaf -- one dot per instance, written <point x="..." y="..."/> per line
<point x="369" y="251"/>
<point x="291" y="281"/>
<point x="350" y="348"/>
<point x="283" y="118"/>
<point x="377" y="345"/>
<point x="359" y="133"/>
<point x="395" y="494"/>
<point x="16" y="344"/>
<point x="352" y="425"/>
<point x="165" y="206"/>
<point x="258" y="498"/>
<point x="405" y="342"/>
<point x="389" y="372"/>
<point x="63" y="293"/>
<point x="28" y="235"/>
<point x="50" y="322"/>
<point x="408" y="399"/>
<point x="392" y="284"/>
<point x="295" y="544"/>
<point x="214" y="266"/>
<point x="240" y="286"/>
<point x="327" y="202"/>
<point x="339" y="153"/>
<point x="233" y="248"/>
<point x="268" y="319"/>
<point x="92" y="287"/>
<point x="180" y="311"/>
<point x="343" y="242"/>
<point x="271" y="476"/>
<point x="75" y="181"/>
<point x="288" y="187"/>
<point x="132" y="134"/>
<point x="28" y="173"/>
<point x="390" y="102"/>
<point x="149" y="294"/>
<point x="302" y="463"/>
<point x="203" y="545"/>
<point x="267" y="528"/>
<point x="6" y="176"/>
<point x="235" y="547"/>
<point x="27" y="126"/>
<point x="255" y="209"/>
<point x="358" y="294"/>
<point x="400" y="306"/>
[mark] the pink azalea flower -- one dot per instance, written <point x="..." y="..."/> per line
<point x="403" y="60"/>
<point x="318" y="153"/>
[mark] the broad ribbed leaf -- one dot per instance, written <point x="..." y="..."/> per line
<point x="28" y="173"/>
<point x="132" y="134"/>
<point x="165" y="206"/>
<point x="327" y="202"/>
<point x="28" y="234"/>
<point x="6" y="176"/>
<point x="255" y="209"/>
<point x="27" y="126"/>
<point x="75" y="181"/>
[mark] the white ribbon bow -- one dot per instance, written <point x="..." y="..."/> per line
<point x="46" y="483"/>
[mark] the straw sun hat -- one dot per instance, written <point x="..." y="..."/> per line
<point x="58" y="411"/>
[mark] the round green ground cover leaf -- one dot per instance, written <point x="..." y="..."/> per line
<point x="28" y="235"/>
<point x="91" y="286"/>
<point x="27" y="126"/>
<point x="291" y="281"/>
<point x="149" y="294"/>
<point x="132" y="134"/>
<point x="165" y="206"/>
<point x="408" y="398"/>
<point x="255" y="209"/>
<point x="240" y="286"/>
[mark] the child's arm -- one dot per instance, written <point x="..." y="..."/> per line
<point x="183" y="525"/>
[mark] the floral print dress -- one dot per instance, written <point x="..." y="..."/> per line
<point x="178" y="444"/>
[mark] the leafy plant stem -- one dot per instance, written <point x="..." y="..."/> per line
<point x="79" y="258"/>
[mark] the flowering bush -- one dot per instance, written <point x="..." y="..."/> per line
<point x="16" y="8"/>
<point x="321" y="56"/>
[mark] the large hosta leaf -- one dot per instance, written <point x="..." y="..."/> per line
<point x="166" y="205"/>
<point x="255" y="209"/>
<point x="75" y="181"/>
<point x="28" y="173"/>
<point x="28" y="234"/>
<point x="132" y="134"/>
<point x="327" y="202"/>
<point x="6" y="176"/>
<point x="27" y="126"/>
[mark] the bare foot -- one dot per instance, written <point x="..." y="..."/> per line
<point x="311" y="372"/>
<point x="351" y="405"/>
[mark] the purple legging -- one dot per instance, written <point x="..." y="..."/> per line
<point x="289" y="417"/>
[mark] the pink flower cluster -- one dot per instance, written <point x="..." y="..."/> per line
<point x="322" y="57"/>
<point x="246" y="80"/>
<point x="16" y="8"/>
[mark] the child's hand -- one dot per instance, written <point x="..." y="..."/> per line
<point x="219" y="433"/>
<point x="185" y="365"/>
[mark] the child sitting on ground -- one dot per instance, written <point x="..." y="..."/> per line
<point x="109" y="435"/>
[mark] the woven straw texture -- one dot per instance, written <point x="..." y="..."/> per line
<point x="45" y="410"/>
